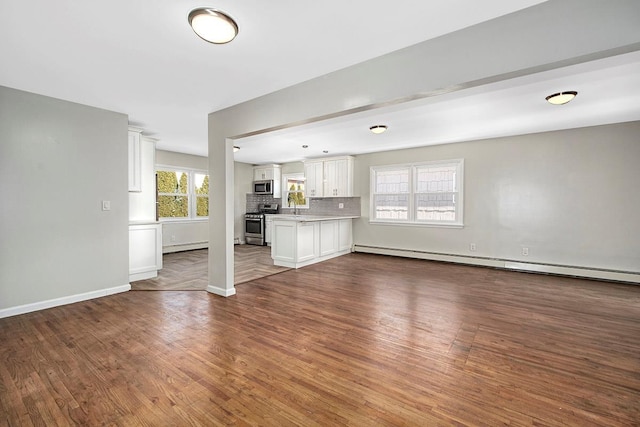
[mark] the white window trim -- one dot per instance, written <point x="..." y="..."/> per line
<point x="191" y="194"/>
<point x="411" y="221"/>
<point x="285" y="191"/>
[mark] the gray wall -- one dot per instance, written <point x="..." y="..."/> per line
<point x="58" y="161"/>
<point x="243" y="184"/>
<point x="171" y="158"/>
<point x="525" y="42"/>
<point x="571" y="197"/>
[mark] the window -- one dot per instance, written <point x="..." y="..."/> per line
<point x="293" y="191"/>
<point x="423" y="193"/>
<point x="182" y="193"/>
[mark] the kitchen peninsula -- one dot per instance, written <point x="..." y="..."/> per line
<point x="300" y="240"/>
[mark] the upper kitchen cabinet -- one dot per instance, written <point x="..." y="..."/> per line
<point x="269" y="172"/>
<point x="329" y="177"/>
<point x="135" y="160"/>
<point x="314" y="176"/>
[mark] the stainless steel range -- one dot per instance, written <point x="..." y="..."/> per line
<point x="254" y="226"/>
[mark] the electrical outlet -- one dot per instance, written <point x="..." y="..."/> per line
<point x="525" y="251"/>
<point x="340" y="205"/>
<point x="106" y="205"/>
<point x="472" y="247"/>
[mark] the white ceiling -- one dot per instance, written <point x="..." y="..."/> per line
<point x="142" y="59"/>
<point x="608" y="92"/>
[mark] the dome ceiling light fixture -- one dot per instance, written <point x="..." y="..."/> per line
<point x="378" y="129"/>
<point x="212" y="25"/>
<point x="561" y="97"/>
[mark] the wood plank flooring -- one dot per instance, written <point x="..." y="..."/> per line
<point x="188" y="271"/>
<point x="359" y="340"/>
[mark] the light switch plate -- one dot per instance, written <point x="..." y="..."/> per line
<point x="106" y="205"/>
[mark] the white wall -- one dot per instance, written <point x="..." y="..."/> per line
<point x="571" y="197"/>
<point x="58" y="162"/>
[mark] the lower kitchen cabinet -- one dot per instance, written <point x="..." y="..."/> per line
<point x="297" y="242"/>
<point x="145" y="250"/>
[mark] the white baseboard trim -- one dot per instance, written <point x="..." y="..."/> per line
<point x="301" y="264"/>
<point x="134" y="277"/>
<point x="42" y="305"/>
<point x="185" y="247"/>
<point x="223" y="292"/>
<point x="561" y="270"/>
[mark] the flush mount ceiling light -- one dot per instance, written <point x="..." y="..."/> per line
<point x="561" y="97"/>
<point x="212" y="25"/>
<point x="236" y="148"/>
<point x="377" y="129"/>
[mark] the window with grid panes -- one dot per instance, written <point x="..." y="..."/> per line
<point x="427" y="193"/>
<point x="182" y="193"/>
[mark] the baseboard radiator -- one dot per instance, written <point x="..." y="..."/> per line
<point x="560" y="270"/>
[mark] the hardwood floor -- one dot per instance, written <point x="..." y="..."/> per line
<point x="188" y="271"/>
<point x="358" y="340"/>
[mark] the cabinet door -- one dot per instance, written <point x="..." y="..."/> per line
<point x="330" y="179"/>
<point x="260" y="174"/>
<point x="338" y="178"/>
<point x="313" y="173"/>
<point x="283" y="244"/>
<point x="343" y="181"/>
<point x="345" y="236"/>
<point x="328" y="237"/>
<point x="306" y="241"/>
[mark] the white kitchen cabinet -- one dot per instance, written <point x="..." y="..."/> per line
<point x="299" y="240"/>
<point x="266" y="172"/>
<point x="269" y="172"/>
<point x="345" y="235"/>
<point x="268" y="229"/>
<point x="314" y="181"/>
<point x="145" y="250"/>
<point x="330" y="177"/>
<point x="328" y="237"/>
<point x="135" y="160"/>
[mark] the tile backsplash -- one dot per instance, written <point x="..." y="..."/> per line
<point x="317" y="206"/>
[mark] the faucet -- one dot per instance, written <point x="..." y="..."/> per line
<point x="295" y="207"/>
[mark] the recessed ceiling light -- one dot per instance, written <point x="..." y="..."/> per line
<point x="236" y="148"/>
<point x="212" y="25"/>
<point x="561" y="97"/>
<point x="305" y="146"/>
<point x="325" y="151"/>
<point x="378" y="128"/>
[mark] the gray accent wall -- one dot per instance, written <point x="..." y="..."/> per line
<point x="570" y="196"/>
<point x="58" y="162"/>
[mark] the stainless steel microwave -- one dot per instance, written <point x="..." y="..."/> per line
<point x="263" y="187"/>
